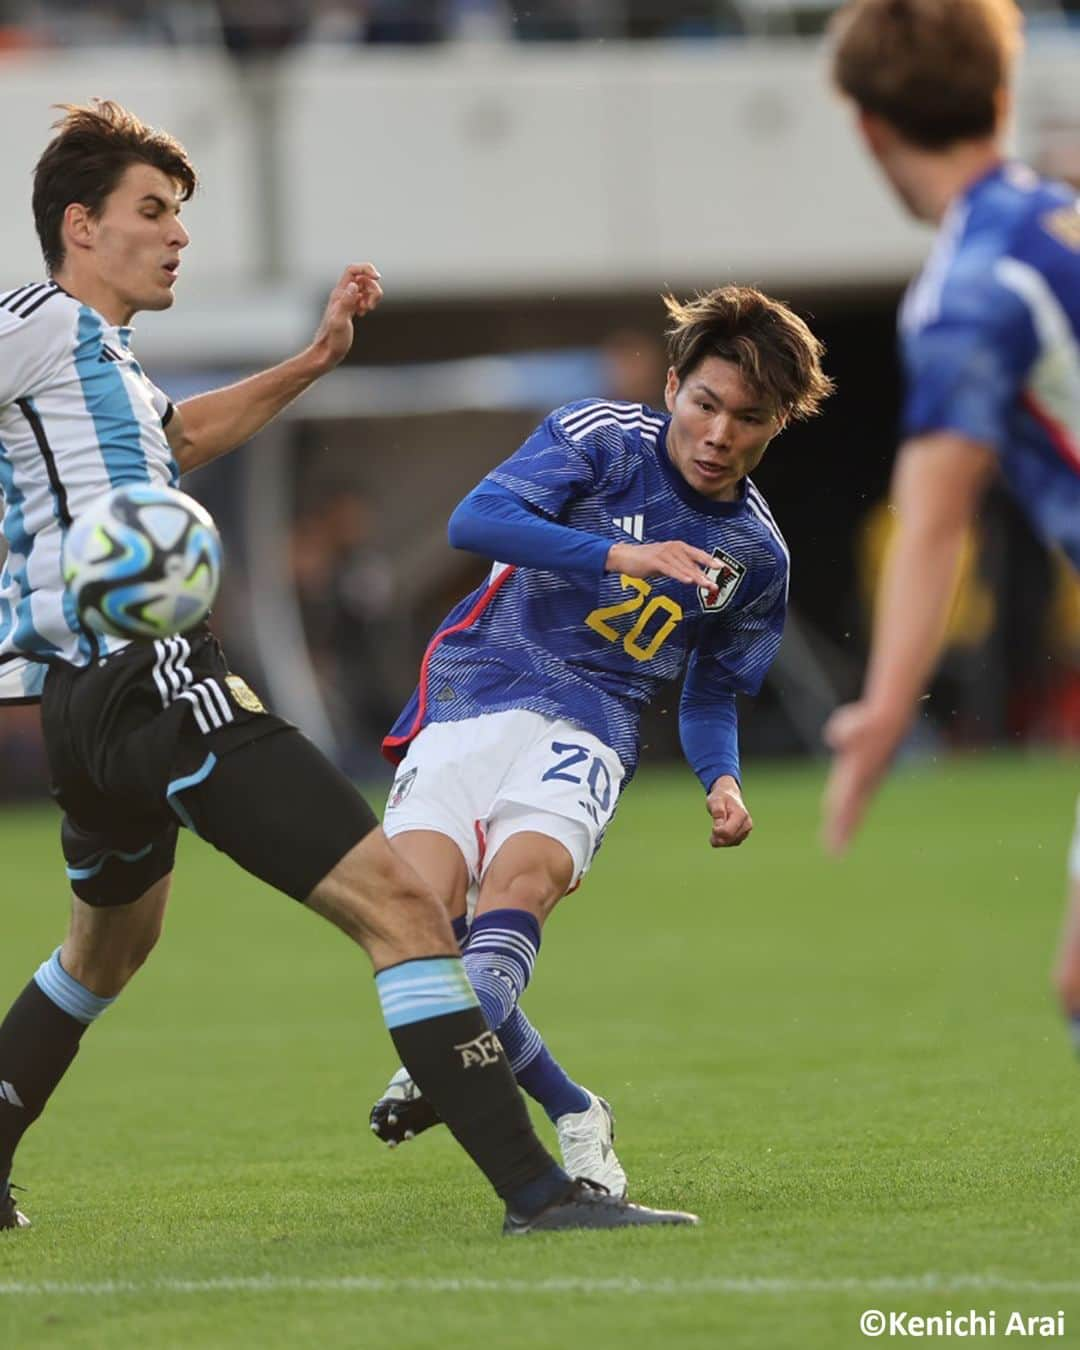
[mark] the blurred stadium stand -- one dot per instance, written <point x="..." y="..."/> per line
<point x="528" y="177"/>
<point x="259" y="27"/>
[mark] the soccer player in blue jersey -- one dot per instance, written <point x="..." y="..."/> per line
<point x="145" y="737"/>
<point x="990" y="341"/>
<point x="630" y="549"/>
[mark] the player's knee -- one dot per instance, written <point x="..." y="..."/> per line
<point x="382" y="903"/>
<point x="537" y="892"/>
<point x="107" y="944"/>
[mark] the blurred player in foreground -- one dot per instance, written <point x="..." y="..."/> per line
<point x="990" y="339"/>
<point x="632" y="548"/>
<point x="144" y="737"/>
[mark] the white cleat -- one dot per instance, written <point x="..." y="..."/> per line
<point x="586" y="1139"/>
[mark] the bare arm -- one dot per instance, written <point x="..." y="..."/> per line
<point x="937" y="485"/>
<point x="209" y="425"/>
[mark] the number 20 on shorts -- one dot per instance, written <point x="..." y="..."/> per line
<point x="647" y="614"/>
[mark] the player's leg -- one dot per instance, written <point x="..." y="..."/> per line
<point x="543" y="831"/>
<point x="110" y="935"/>
<point x="403" y="1112"/>
<point x="331" y="854"/>
<point x="429" y="1007"/>
<point x="484" y="785"/>
<point x="1067" y="966"/>
<point x="119" y="855"/>
<point x="528" y="874"/>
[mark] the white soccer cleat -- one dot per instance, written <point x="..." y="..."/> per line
<point x="586" y="1139"/>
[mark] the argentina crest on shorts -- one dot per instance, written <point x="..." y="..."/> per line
<point x="728" y="573"/>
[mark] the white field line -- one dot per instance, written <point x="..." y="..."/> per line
<point x="364" y="1284"/>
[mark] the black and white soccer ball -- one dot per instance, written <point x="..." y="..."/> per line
<point x="142" y="561"/>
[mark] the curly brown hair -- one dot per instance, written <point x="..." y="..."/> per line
<point x="86" y="159"/>
<point x="933" y="69"/>
<point x="775" y="349"/>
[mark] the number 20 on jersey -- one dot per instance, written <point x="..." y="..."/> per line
<point x="661" y="614"/>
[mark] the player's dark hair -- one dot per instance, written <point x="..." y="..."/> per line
<point x="85" y="160"/>
<point x="932" y="69"/>
<point x="775" y="350"/>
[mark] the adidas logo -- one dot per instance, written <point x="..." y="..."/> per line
<point x="631" y="525"/>
<point x="9" y="1095"/>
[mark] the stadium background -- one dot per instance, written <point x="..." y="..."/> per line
<point x="528" y="177"/>
<point x="807" y="1054"/>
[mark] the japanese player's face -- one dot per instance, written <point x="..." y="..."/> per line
<point x="134" y="246"/>
<point x="720" y="427"/>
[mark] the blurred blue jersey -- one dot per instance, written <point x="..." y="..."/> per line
<point x="990" y="337"/>
<point x="594" y="647"/>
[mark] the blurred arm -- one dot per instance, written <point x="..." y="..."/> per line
<point x="937" y="486"/>
<point x="938" y="483"/>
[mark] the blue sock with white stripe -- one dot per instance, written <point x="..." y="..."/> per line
<point x="457" y="1063"/>
<point x="500" y="957"/>
<point x="39" y="1038"/>
<point x="537" y="1070"/>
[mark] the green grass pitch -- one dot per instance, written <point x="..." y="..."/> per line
<point x="854" y="1072"/>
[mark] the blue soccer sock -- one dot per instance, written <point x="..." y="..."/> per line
<point x="499" y="958"/>
<point x="537" y="1070"/>
<point x="1074" y="1031"/>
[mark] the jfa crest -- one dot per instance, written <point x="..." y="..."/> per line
<point x="728" y="573"/>
<point x="401" y="788"/>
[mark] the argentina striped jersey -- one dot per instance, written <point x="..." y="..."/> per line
<point x="593" y="649"/>
<point x="77" y="417"/>
<point x="990" y="336"/>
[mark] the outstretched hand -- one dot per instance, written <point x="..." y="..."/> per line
<point x="863" y="741"/>
<point x="356" y="294"/>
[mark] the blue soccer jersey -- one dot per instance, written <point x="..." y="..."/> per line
<point x="594" y="647"/>
<point x="990" y="339"/>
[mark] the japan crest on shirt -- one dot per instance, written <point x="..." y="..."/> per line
<point x="727" y="572"/>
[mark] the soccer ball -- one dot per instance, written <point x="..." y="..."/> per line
<point x="142" y="561"/>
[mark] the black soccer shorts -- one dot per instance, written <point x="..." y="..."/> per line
<point x="161" y="735"/>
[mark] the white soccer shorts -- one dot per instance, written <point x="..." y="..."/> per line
<point x="484" y="779"/>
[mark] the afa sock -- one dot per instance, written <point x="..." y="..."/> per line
<point x="460" y="925"/>
<point x="537" y="1070"/>
<point x="458" y="1064"/>
<point x="39" y="1038"/>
